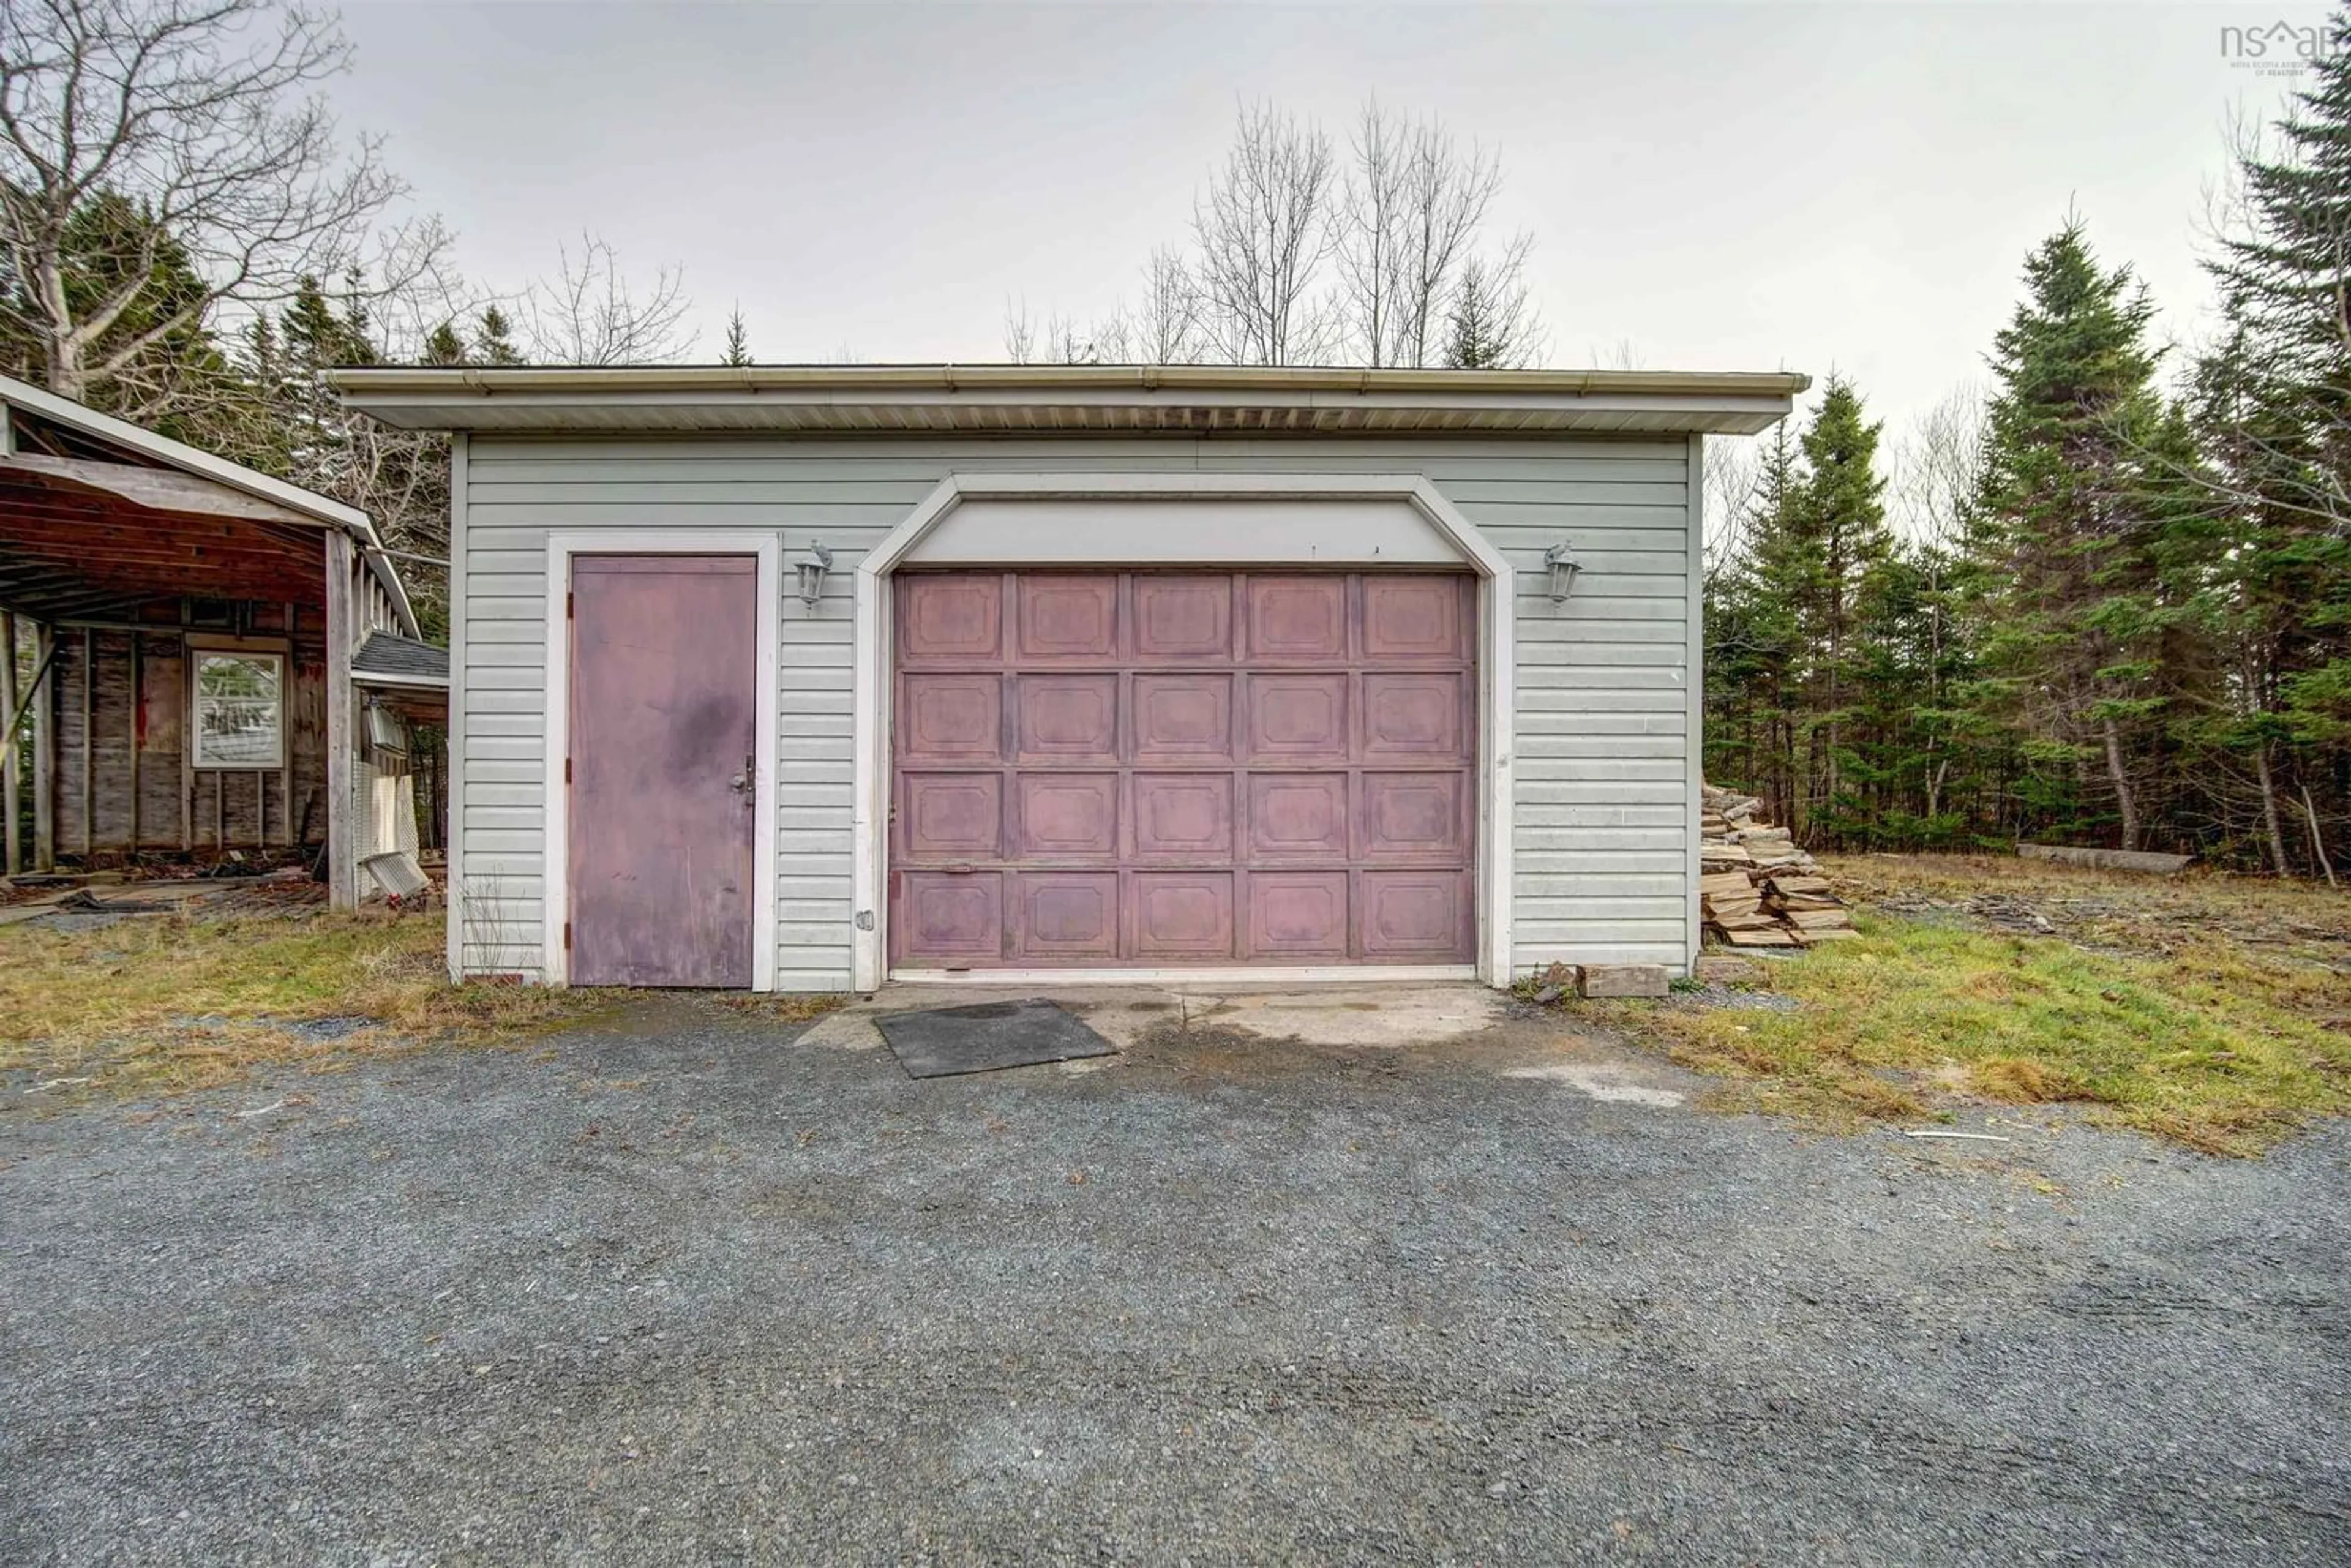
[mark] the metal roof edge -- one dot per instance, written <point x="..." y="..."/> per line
<point x="359" y="385"/>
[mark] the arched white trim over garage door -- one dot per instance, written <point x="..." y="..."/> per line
<point x="1133" y="520"/>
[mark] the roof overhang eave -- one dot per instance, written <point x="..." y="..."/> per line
<point x="946" y="399"/>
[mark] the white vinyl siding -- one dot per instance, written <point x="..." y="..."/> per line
<point x="1604" y="808"/>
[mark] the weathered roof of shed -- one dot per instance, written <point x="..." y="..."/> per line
<point x="97" y="512"/>
<point x="399" y="661"/>
<point x="1185" y="400"/>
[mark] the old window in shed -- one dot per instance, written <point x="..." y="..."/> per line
<point x="240" y="710"/>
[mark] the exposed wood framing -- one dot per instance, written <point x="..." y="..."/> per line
<point x="137" y="648"/>
<point x="88" y="710"/>
<point x="286" y="760"/>
<point x="343" y="800"/>
<point x="187" y="744"/>
<point x="11" y="795"/>
<point x="45" y="751"/>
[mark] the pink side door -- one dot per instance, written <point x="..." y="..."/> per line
<point x="663" y="732"/>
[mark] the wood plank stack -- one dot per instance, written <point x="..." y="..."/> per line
<point x="1760" y="889"/>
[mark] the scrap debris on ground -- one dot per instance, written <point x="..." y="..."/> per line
<point x="1760" y="889"/>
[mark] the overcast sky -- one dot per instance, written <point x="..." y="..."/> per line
<point x="1849" y="187"/>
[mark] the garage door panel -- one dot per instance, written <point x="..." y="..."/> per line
<point x="1067" y="718"/>
<point x="1298" y="816"/>
<point x="1299" y="718"/>
<point x="1184" y="816"/>
<point x="951" y="915"/>
<point x="1410" y="618"/>
<point x="1065" y="815"/>
<point x="1297" y="618"/>
<point x="1066" y="916"/>
<point x="1179" y="618"/>
<point x="946" y="617"/>
<point x="950" y="815"/>
<point x="1065" y="616"/>
<point x="1183" y="716"/>
<point x="1297" y="917"/>
<point x="1422" y="714"/>
<point x="950" y="717"/>
<point x="1183" y="915"/>
<point x="1412" y="816"/>
<point x="1412" y="915"/>
<point x="1183" y="767"/>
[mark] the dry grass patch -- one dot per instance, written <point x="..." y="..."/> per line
<point x="168" y="1002"/>
<point x="789" y="1007"/>
<point x="2209" y="1010"/>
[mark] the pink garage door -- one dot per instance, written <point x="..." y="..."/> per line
<point x="663" y="722"/>
<point x="1162" y="769"/>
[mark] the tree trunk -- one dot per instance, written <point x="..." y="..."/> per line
<point x="2317" y="840"/>
<point x="2270" y="828"/>
<point x="2125" y="802"/>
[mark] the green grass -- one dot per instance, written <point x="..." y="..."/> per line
<point x="2222" y="1044"/>
<point x="163" y="1003"/>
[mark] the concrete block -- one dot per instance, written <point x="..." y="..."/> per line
<point x="1621" y="980"/>
<point x="1724" y="970"/>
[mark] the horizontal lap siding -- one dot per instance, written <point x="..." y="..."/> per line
<point x="1601" y="814"/>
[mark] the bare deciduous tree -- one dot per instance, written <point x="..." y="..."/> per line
<point x="1264" y="229"/>
<point x="1165" y="324"/>
<point x="1370" y="249"/>
<point x="1446" y="192"/>
<point x="203" y="114"/>
<point x="1937" y="469"/>
<point x="592" y="313"/>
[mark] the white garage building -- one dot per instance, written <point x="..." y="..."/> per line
<point x="803" y="678"/>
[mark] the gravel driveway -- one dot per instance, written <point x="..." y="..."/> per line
<point x="677" y="1291"/>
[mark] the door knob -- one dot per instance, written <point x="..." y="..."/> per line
<point x="742" y="782"/>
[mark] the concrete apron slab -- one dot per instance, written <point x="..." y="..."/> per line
<point x="1228" y="1031"/>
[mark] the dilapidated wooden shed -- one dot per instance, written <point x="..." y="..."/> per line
<point x="205" y="645"/>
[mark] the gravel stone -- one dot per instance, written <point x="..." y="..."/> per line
<point x="676" y="1289"/>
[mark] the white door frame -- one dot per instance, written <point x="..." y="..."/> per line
<point x="561" y="545"/>
<point x="870" y="939"/>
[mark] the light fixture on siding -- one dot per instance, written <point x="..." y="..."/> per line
<point x="1559" y="563"/>
<point x="811" y="567"/>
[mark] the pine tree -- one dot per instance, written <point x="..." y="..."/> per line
<point x="442" y="346"/>
<point x="494" y="341"/>
<point x="2065" y="536"/>
<point x="177" y="378"/>
<point x="739" y="340"/>
<point x="2273" y="412"/>
<point x="1488" y="322"/>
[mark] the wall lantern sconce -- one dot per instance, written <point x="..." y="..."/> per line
<point x="811" y="567"/>
<point x="1559" y="563"/>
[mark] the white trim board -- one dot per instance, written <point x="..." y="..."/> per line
<point x="1225" y="976"/>
<point x="454" y="896"/>
<point x="561" y="545"/>
<point x="871" y="633"/>
<point x="1693" y="736"/>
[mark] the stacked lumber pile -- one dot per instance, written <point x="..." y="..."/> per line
<point x="1759" y="888"/>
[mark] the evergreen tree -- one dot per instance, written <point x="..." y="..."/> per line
<point x="172" y="374"/>
<point x="2065" y="535"/>
<point x="739" y="340"/>
<point x="442" y="346"/>
<point x="1488" y="325"/>
<point x="2273" y="413"/>
<point x="493" y="342"/>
